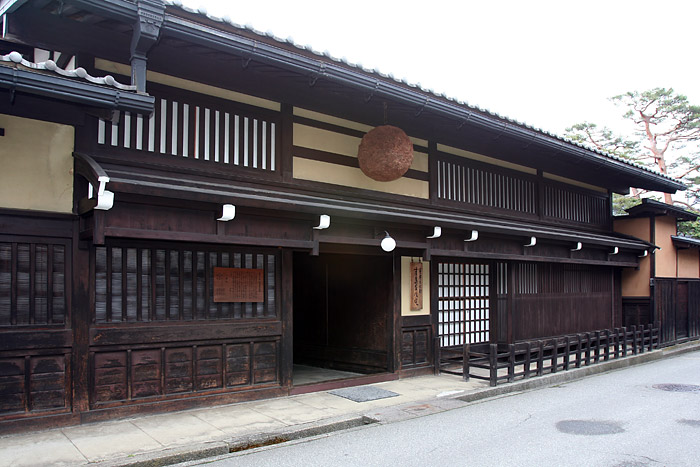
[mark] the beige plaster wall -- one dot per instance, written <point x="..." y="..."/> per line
<point x="485" y="159"/>
<point x="666" y="257"/>
<point x="635" y="282"/>
<point x="636" y="227"/>
<point x="689" y="263"/>
<point x="569" y="181"/>
<point x="36" y="160"/>
<point x="317" y="171"/>
<point x="406" y="288"/>
<point x="194" y="86"/>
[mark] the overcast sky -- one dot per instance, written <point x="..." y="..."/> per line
<point x="547" y="63"/>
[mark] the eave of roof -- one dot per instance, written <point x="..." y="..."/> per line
<point x="339" y="70"/>
<point x="685" y="242"/>
<point x="136" y="180"/>
<point x="650" y="207"/>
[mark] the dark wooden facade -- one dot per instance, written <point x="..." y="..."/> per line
<point x="107" y="308"/>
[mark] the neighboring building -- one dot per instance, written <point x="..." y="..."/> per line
<point x="666" y="285"/>
<point x="235" y="150"/>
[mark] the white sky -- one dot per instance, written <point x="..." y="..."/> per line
<point x="548" y="63"/>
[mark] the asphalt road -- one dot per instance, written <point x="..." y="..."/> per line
<point x="613" y="420"/>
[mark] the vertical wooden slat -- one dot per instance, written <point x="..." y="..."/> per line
<point x="108" y="295"/>
<point x="49" y="283"/>
<point x="139" y="284"/>
<point x="207" y="268"/>
<point x="125" y="283"/>
<point x="32" y="282"/>
<point x="181" y="285"/>
<point x="28" y="403"/>
<point x="167" y="285"/>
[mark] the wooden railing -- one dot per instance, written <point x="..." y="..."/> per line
<point x="499" y="363"/>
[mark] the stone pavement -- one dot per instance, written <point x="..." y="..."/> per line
<point x="154" y="440"/>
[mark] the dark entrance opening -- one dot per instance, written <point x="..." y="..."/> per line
<point x="342" y="313"/>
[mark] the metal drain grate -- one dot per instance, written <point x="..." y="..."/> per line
<point x="672" y="387"/>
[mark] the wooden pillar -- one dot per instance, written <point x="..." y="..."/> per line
<point x="287" y="315"/>
<point x="81" y="313"/>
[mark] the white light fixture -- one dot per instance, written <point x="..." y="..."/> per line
<point x="579" y="245"/>
<point x="388" y="244"/>
<point x="105" y="200"/>
<point x="228" y="212"/>
<point x="533" y="242"/>
<point x="474" y="237"/>
<point x="615" y="251"/>
<point x="643" y="255"/>
<point x="323" y="222"/>
<point x="437" y="231"/>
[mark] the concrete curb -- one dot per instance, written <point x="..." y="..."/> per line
<point x="321" y="427"/>
<point x="220" y="448"/>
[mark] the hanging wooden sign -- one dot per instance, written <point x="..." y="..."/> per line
<point x="238" y="285"/>
<point x="416" y="286"/>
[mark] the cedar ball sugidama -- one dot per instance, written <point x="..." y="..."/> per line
<point x="385" y="153"/>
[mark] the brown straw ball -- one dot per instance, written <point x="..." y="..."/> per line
<point x="385" y="153"/>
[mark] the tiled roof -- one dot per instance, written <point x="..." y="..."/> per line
<point x="16" y="58"/>
<point x="417" y="86"/>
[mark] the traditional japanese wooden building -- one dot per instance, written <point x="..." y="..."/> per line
<point x="665" y="288"/>
<point x="184" y="217"/>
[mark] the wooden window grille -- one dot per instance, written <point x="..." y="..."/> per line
<point x="33" y="289"/>
<point x="227" y="138"/>
<point x="461" y="183"/>
<point x="463" y="303"/>
<point x="561" y="279"/>
<point x="142" y="284"/>
<point x="575" y="206"/>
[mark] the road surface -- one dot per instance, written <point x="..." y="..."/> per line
<point x="618" y="419"/>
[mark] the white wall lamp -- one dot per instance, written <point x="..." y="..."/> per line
<point x="388" y="243"/>
<point x="533" y="242"/>
<point x="644" y="255"/>
<point x="228" y="212"/>
<point x="474" y="237"/>
<point x="579" y="246"/>
<point x="437" y="231"/>
<point x="105" y="198"/>
<point x="615" y="251"/>
<point x="323" y="222"/>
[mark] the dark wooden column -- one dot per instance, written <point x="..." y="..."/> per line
<point x="287" y="310"/>
<point x="80" y="322"/>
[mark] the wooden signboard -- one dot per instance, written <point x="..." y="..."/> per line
<point x="416" y="286"/>
<point x="238" y="285"/>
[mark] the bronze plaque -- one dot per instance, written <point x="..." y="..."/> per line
<point x="416" y="286"/>
<point x="239" y="285"/>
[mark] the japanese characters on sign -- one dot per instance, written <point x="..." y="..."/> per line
<point x="416" y="286"/>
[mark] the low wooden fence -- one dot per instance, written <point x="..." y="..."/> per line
<point x="498" y="363"/>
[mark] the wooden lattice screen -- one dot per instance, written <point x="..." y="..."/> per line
<point x="159" y="284"/>
<point x="463" y="303"/>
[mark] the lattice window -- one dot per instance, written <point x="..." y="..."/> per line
<point x="560" y="279"/>
<point x="469" y="185"/>
<point x="33" y="287"/>
<point x="463" y="303"/>
<point x="575" y="206"/>
<point x="188" y="130"/>
<point x="158" y="284"/>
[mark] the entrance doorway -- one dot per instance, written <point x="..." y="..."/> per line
<point x="342" y="316"/>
